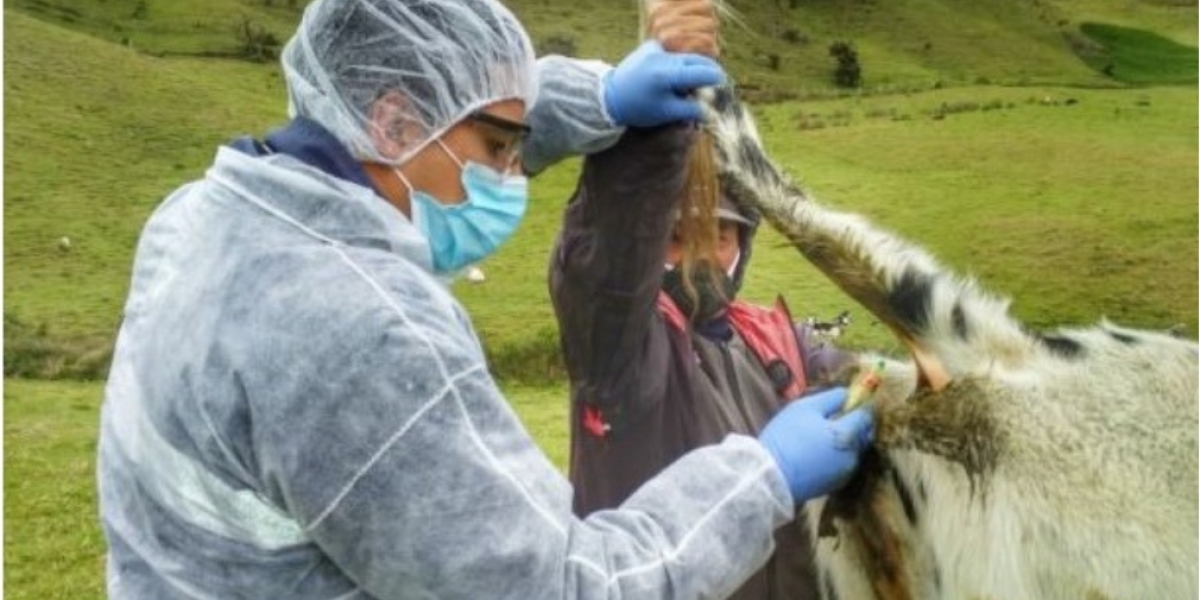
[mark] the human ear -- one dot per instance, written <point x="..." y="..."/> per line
<point x="391" y="129"/>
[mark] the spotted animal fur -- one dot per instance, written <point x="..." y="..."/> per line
<point x="1040" y="466"/>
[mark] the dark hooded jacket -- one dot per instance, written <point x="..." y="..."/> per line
<point x="645" y="389"/>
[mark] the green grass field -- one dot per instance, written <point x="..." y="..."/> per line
<point x="97" y="133"/>
<point x="980" y="134"/>
<point x="53" y="547"/>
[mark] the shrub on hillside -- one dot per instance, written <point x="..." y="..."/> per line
<point x="31" y="352"/>
<point x="847" y="73"/>
<point x="793" y="36"/>
<point x="255" y="43"/>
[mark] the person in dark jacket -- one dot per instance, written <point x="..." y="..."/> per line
<point x="657" y="371"/>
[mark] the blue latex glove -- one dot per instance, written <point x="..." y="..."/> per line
<point x="651" y="85"/>
<point x="817" y="453"/>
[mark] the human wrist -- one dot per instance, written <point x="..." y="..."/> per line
<point x="608" y="102"/>
<point x="778" y="466"/>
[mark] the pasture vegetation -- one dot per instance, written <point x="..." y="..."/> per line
<point x="1046" y="147"/>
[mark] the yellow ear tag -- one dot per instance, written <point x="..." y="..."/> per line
<point x="862" y="389"/>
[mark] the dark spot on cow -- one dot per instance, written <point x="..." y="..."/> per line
<point x="1126" y="339"/>
<point x="846" y="502"/>
<point x="1063" y="347"/>
<point x="751" y="158"/>
<point x="910" y="298"/>
<point x="906" y="500"/>
<point x="723" y="98"/>
<point x="958" y="318"/>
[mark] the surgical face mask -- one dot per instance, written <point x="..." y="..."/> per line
<point x="714" y="290"/>
<point x="466" y="233"/>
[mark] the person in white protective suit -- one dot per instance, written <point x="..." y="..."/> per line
<point x="298" y="407"/>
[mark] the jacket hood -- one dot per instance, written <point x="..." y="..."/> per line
<point x="294" y="194"/>
<point x="748" y="221"/>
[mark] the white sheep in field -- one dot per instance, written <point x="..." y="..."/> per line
<point x="1008" y="465"/>
<point x="474" y="274"/>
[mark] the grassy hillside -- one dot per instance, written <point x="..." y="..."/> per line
<point x="1137" y="55"/>
<point x="774" y="47"/>
<point x="53" y="545"/>
<point x="1097" y="185"/>
<point x="95" y="135"/>
<point x="1076" y="203"/>
<point x="171" y="27"/>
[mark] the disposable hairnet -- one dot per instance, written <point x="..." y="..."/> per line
<point x="445" y="58"/>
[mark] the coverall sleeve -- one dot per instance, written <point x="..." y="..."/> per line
<point x="568" y="118"/>
<point x="606" y="268"/>
<point x="408" y="468"/>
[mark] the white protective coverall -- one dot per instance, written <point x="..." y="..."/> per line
<point x="298" y="409"/>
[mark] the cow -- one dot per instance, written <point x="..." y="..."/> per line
<point x="1008" y="464"/>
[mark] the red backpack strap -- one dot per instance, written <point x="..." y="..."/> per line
<point x="670" y="311"/>
<point x="771" y="335"/>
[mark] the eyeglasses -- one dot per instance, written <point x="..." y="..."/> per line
<point x="504" y="137"/>
<point x="513" y="127"/>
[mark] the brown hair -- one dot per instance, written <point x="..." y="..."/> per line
<point x="696" y="229"/>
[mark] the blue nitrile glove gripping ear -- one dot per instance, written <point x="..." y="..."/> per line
<point x="815" y="452"/>
<point x="651" y="85"/>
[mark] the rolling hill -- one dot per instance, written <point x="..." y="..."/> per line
<point x="110" y="104"/>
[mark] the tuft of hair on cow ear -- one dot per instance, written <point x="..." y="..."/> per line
<point x="732" y="187"/>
